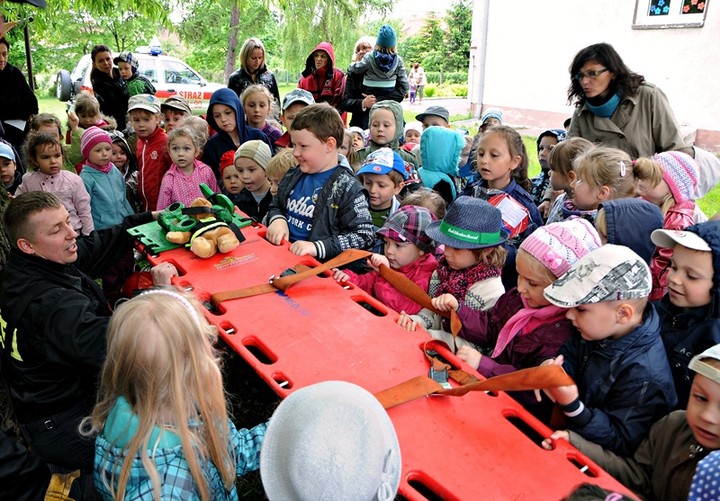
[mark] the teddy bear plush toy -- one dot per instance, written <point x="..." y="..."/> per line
<point x="209" y="236"/>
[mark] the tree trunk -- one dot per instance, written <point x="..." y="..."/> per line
<point x="231" y="55"/>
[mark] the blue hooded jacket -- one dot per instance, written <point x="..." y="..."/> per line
<point x="440" y="149"/>
<point x="221" y="141"/>
<point x="689" y="331"/>
<point x="630" y="221"/>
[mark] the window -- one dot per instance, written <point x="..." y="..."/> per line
<point x="178" y="73"/>
<point x="659" y="14"/>
<point x="146" y="68"/>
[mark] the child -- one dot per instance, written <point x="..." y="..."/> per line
<point x="469" y="271"/>
<point x="431" y="200"/>
<point x="546" y="142"/>
<point x="491" y="118"/>
<point x="278" y="167"/>
<point x="386" y="129"/>
<point x="668" y="180"/>
<point x="413" y="89"/>
<point x="320" y="77"/>
<point x="250" y="161"/>
<point x="103" y="180"/>
<point x="226" y="116"/>
<point x="330" y="440"/>
<point x="136" y="83"/>
<point x="413" y="134"/>
<point x="406" y="249"/>
<point x="440" y="150"/>
<point x="523" y="329"/>
<point x="125" y="161"/>
<point x="231" y="183"/>
<point x="258" y="103"/>
<point x="200" y="128"/>
<point x="44" y="156"/>
<point x="663" y="465"/>
<point x="294" y="101"/>
<point x="562" y="172"/>
<point x="151" y="151"/>
<point x="175" y="110"/>
<point x="161" y="418"/>
<point x="320" y="206"/>
<point x="434" y="116"/>
<point x="623" y="381"/>
<point x="50" y="124"/>
<point x="11" y="178"/>
<point x="358" y="137"/>
<point x="181" y="183"/>
<point x="348" y="150"/>
<point x="629" y="222"/>
<point x="382" y="174"/>
<point x="85" y="113"/>
<point x="689" y="314"/>
<point x="602" y="174"/>
<point x="703" y="483"/>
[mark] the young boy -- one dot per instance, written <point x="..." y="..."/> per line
<point x="151" y="150"/>
<point x="386" y="129"/>
<point x="9" y="175"/>
<point x="546" y="141"/>
<point x="136" y="83"/>
<point x="320" y="206"/>
<point x="434" y="116"/>
<point x="689" y="316"/>
<point x="382" y="174"/>
<point x="250" y="161"/>
<point x="663" y="465"/>
<point x="294" y="101"/>
<point x="175" y="110"/>
<point x="623" y="381"/>
<point x="278" y="167"/>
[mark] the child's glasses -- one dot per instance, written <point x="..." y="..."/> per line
<point x="593" y="74"/>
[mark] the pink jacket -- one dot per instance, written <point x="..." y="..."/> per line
<point x="679" y="217"/>
<point x="179" y="187"/>
<point x="419" y="271"/>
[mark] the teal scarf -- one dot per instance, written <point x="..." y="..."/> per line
<point x="607" y="109"/>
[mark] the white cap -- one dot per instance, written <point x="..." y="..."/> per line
<point x="669" y="238"/>
<point x="705" y="369"/>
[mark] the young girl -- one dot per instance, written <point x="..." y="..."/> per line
<point x="668" y="180"/>
<point x="200" y="128"/>
<point x="181" y="183"/>
<point x="546" y="142"/>
<point x="602" y="174"/>
<point x="125" y="161"/>
<point x="348" y="149"/>
<point x="431" y="200"/>
<point x="258" y="104"/>
<point x="84" y="114"/>
<point x="161" y="419"/>
<point x="562" y="172"/>
<point x="407" y="249"/>
<point x="103" y="180"/>
<point x="44" y="156"/>
<point x="470" y="267"/>
<point x="50" y="124"/>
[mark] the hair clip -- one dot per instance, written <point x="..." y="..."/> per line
<point x="623" y="169"/>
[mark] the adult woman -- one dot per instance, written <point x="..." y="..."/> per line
<point x="362" y="47"/>
<point x="17" y="100"/>
<point x="417" y="73"/>
<point x="616" y="107"/>
<point x="253" y="70"/>
<point x="108" y="86"/>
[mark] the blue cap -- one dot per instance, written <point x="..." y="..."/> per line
<point x="386" y="36"/>
<point x="6" y="151"/>
<point x="382" y="161"/>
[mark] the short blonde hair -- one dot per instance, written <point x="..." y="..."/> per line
<point x="280" y="164"/>
<point x="425" y="197"/>
<point x="603" y="166"/>
<point x="199" y="128"/>
<point x="563" y="154"/>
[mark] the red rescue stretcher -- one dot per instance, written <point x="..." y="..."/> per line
<point x="478" y="446"/>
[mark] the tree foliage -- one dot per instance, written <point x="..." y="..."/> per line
<point x="459" y="24"/>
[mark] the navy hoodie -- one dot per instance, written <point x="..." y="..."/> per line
<point x="687" y="332"/>
<point x="630" y="221"/>
<point x="221" y="141"/>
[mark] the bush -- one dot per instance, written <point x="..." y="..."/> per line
<point x="446" y="77"/>
<point x="430" y="90"/>
<point x="458" y="90"/>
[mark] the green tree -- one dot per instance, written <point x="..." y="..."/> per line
<point x="459" y="28"/>
<point x="432" y="45"/>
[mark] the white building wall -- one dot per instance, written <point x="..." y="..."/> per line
<point x="530" y="45"/>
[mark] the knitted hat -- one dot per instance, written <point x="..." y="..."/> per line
<point x="705" y="369"/>
<point x="470" y="223"/>
<point x="178" y="103"/>
<point x="680" y="172"/>
<point x="560" y="245"/>
<point x="491" y="114"/>
<point x="609" y="273"/>
<point x="437" y="111"/>
<point x="297" y="96"/>
<point x="255" y="150"/>
<point x="92" y="137"/>
<point x="383" y="161"/>
<point x="386" y="36"/>
<point x="226" y="160"/>
<point x="127" y="57"/>
<point x="143" y="102"/>
<point x="331" y="440"/>
<point x="6" y="151"/>
<point x="408" y="224"/>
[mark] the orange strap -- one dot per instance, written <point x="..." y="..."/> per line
<point x="282" y="283"/>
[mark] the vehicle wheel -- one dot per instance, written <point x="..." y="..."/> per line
<point x="63" y="85"/>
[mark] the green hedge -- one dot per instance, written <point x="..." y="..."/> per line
<point x="446" y="77"/>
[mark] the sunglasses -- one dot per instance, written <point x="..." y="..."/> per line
<point x="593" y="74"/>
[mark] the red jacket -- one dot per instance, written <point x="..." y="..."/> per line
<point x="153" y="162"/>
<point x="327" y="85"/>
<point x="678" y="217"/>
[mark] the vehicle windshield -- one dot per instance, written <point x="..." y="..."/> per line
<point x="177" y="72"/>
